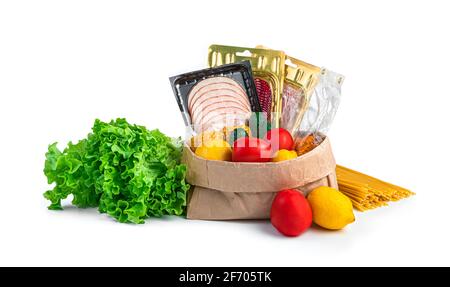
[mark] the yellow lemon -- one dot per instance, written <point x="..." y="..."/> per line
<point x="284" y="154"/>
<point x="214" y="150"/>
<point x="331" y="209"/>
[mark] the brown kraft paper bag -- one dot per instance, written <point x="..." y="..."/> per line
<point x="238" y="190"/>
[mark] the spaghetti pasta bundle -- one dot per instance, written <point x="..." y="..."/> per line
<point x="367" y="192"/>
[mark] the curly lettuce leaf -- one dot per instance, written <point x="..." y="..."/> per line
<point x="66" y="170"/>
<point x="129" y="172"/>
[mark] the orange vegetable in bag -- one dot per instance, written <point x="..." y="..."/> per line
<point x="284" y="154"/>
<point x="306" y="144"/>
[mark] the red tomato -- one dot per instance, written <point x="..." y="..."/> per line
<point x="280" y="139"/>
<point x="251" y="150"/>
<point x="291" y="214"/>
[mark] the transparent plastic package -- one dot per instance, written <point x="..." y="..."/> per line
<point x="294" y="104"/>
<point x="268" y="69"/>
<point x="300" y="79"/>
<point x="198" y="135"/>
<point x="323" y="104"/>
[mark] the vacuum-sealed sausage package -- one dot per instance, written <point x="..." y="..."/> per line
<point x="216" y="97"/>
<point x="268" y="71"/>
<point x="299" y="81"/>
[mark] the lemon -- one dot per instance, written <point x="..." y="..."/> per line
<point x="284" y="154"/>
<point x="214" y="150"/>
<point x="331" y="209"/>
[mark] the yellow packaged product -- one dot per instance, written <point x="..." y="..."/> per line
<point x="267" y="69"/>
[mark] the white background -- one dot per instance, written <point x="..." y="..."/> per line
<point x="65" y="63"/>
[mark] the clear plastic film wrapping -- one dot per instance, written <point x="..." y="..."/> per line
<point x="294" y="104"/>
<point x="217" y="132"/>
<point x="323" y="104"/>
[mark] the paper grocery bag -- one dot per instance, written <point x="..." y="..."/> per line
<point x="238" y="190"/>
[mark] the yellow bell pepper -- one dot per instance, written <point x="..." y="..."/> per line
<point x="284" y="154"/>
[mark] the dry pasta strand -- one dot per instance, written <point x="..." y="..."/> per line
<point x="367" y="192"/>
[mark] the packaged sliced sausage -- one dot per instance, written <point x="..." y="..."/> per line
<point x="268" y="71"/>
<point x="310" y="99"/>
<point x="216" y="97"/>
<point x="299" y="80"/>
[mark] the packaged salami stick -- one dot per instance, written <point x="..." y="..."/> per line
<point x="268" y="71"/>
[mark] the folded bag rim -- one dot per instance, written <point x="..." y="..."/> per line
<point x="259" y="177"/>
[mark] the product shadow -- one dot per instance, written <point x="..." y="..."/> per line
<point x="265" y="227"/>
<point x="256" y="225"/>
